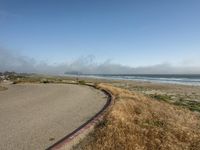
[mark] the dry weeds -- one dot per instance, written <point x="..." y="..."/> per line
<point x="139" y="123"/>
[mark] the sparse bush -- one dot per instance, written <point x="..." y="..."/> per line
<point x="44" y="81"/>
<point x="15" y="82"/>
<point x="82" y="82"/>
<point x="101" y="124"/>
<point x="154" y="123"/>
<point x="161" y="97"/>
<point x="192" y="105"/>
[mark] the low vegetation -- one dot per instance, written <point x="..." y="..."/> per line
<point x="179" y="95"/>
<point x="38" y="79"/>
<point x="44" y="79"/>
<point x="191" y="105"/>
<point x="138" y="122"/>
<point x="82" y="82"/>
<point x="165" y="98"/>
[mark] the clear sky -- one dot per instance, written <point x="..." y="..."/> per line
<point x="128" y="32"/>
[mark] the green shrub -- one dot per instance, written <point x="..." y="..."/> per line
<point x="82" y="82"/>
<point x="15" y="82"/>
<point x="161" y="97"/>
<point x="192" y="105"/>
<point x="44" y="81"/>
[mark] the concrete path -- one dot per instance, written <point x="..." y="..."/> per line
<point x="34" y="116"/>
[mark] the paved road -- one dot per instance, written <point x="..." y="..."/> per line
<point x="34" y="116"/>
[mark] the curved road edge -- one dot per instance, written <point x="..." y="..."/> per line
<point x="67" y="141"/>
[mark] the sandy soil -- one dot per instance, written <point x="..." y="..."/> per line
<point x="181" y="95"/>
<point x="186" y="96"/>
<point x="34" y="116"/>
<point x="193" y="92"/>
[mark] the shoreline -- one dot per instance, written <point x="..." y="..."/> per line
<point x="186" y="96"/>
<point x="175" y="81"/>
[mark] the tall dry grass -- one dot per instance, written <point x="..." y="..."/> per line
<point x="136" y="122"/>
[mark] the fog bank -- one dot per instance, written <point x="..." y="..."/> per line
<point x="85" y="65"/>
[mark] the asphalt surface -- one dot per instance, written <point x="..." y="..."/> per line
<point x="35" y="116"/>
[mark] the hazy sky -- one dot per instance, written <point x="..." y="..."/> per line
<point x="133" y="33"/>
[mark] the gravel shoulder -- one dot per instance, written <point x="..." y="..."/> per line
<point x="34" y="116"/>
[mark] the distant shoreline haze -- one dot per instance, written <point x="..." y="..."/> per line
<point x="185" y="79"/>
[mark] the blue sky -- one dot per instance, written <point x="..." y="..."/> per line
<point x="128" y="32"/>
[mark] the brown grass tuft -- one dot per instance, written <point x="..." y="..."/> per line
<point x="137" y="122"/>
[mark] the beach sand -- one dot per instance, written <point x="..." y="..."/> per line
<point x="186" y="96"/>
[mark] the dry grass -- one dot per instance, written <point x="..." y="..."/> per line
<point x="137" y="122"/>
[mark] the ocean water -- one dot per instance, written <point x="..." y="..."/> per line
<point x="164" y="78"/>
